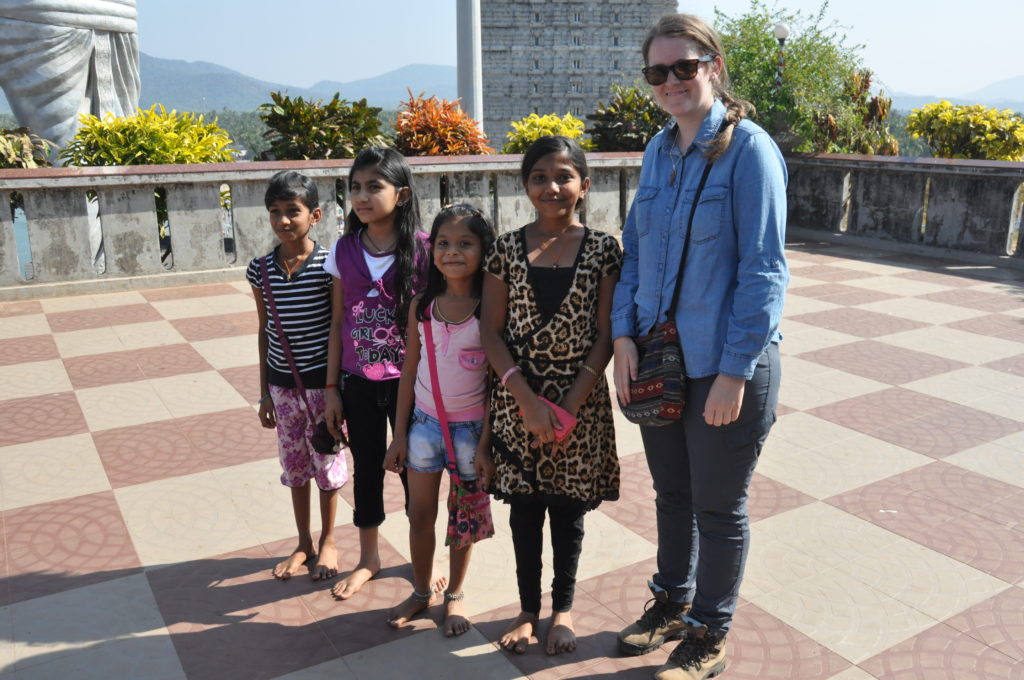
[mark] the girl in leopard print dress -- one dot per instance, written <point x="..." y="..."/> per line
<point x="545" y="326"/>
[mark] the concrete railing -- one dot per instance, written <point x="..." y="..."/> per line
<point x="61" y="206"/>
<point x="960" y="205"/>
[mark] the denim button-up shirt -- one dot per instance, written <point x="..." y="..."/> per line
<point x="736" y="274"/>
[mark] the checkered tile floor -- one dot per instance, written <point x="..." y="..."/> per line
<point x="141" y="512"/>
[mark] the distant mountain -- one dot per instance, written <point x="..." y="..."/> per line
<point x="389" y="89"/>
<point x="1005" y="94"/>
<point x="199" y="86"/>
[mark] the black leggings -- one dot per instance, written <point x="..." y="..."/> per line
<point x="526" y="519"/>
<point x="369" y="408"/>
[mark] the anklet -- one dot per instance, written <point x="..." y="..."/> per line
<point x="454" y="597"/>
<point x="422" y="597"/>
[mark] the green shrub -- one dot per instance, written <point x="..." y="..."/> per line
<point x="304" y="130"/>
<point x="429" y="126"/>
<point x="19" y="148"/>
<point x="969" y="131"/>
<point x="628" y="122"/>
<point x="533" y="127"/>
<point x="151" y="137"/>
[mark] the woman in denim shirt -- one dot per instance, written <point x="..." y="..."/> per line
<point x="728" y="318"/>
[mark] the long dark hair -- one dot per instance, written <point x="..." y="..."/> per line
<point x="478" y="224"/>
<point x="395" y="170"/>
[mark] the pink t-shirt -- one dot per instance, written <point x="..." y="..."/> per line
<point x="372" y="344"/>
<point x="462" y="368"/>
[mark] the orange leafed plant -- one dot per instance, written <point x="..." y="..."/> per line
<point x="429" y="126"/>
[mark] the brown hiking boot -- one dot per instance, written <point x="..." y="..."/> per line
<point x="661" y="622"/>
<point x="699" y="656"/>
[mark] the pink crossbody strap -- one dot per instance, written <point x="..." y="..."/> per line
<point x="435" y="387"/>
<point x="299" y="390"/>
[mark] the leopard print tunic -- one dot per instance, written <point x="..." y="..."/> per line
<point x="550" y="353"/>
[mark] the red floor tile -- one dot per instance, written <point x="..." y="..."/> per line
<point x="997" y="622"/>
<point x="229" y="437"/>
<point x="840" y="294"/>
<point x="245" y="379"/>
<point x="980" y="542"/>
<point x="635" y="483"/>
<point x="168" y="360"/>
<point x="45" y="417"/>
<point x="27" y="349"/>
<point x="939" y="278"/>
<point x="917" y="421"/>
<point x="101" y="316"/>
<point x="1001" y="326"/>
<point x="1014" y="365"/>
<point x="96" y="370"/>
<point x="183" y="292"/>
<point x="825" y="272"/>
<point x="20" y="308"/>
<point x="858" y="322"/>
<point x="768" y="498"/>
<point x="942" y="653"/>
<point x="58" y="546"/>
<point x="147" y="453"/>
<point x="211" y="327"/>
<point x="976" y="299"/>
<point x="882" y="362"/>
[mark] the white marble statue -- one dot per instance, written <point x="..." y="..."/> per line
<point x="62" y="58"/>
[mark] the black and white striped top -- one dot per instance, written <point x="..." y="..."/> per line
<point x="304" y="304"/>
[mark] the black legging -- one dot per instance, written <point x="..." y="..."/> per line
<point x="526" y="520"/>
<point x="369" y="407"/>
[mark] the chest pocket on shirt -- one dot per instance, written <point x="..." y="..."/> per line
<point x="711" y="216"/>
<point x="472" y="358"/>
<point x="644" y="204"/>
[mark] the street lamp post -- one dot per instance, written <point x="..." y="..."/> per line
<point x="781" y="32"/>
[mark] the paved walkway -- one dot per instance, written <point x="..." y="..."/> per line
<point x="141" y="513"/>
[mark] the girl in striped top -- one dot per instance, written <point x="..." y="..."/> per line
<point x="302" y="294"/>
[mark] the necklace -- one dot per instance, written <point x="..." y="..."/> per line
<point x="446" y="320"/>
<point x="544" y="246"/>
<point x="296" y="259"/>
<point x="377" y="247"/>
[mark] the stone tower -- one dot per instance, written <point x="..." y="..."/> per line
<point x="558" y="56"/>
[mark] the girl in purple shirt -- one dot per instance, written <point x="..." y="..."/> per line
<point x="378" y="265"/>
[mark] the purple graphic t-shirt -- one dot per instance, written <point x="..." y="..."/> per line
<point x="372" y="344"/>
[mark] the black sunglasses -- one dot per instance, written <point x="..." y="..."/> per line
<point x="685" y="69"/>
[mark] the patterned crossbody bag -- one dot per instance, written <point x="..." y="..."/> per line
<point x="469" y="507"/>
<point x="657" y="396"/>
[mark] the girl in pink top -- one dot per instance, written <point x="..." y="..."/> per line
<point x="378" y="265"/>
<point x="451" y="304"/>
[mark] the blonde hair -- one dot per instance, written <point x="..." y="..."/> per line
<point x="697" y="30"/>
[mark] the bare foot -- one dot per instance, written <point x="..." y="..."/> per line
<point x="517" y="636"/>
<point x="407" y="610"/>
<point x="455" y="621"/>
<point x="561" y="635"/>
<point x="351" y="584"/>
<point x="437" y="582"/>
<point x="291" y="566"/>
<point x="326" y="565"/>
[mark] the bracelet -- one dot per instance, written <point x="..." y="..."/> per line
<point x="264" y="398"/>
<point x="508" y="374"/>
<point x="591" y="370"/>
<point x="328" y="387"/>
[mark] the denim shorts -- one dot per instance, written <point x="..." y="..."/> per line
<point x="426" y="451"/>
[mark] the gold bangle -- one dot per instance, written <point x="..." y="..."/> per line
<point x="591" y="370"/>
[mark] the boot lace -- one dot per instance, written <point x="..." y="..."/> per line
<point x="657" y="614"/>
<point x="693" y="651"/>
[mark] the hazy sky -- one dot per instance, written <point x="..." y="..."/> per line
<point x="930" y="47"/>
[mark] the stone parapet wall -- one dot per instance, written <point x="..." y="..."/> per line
<point x="958" y="205"/>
